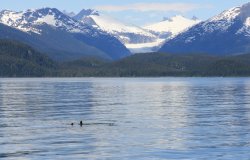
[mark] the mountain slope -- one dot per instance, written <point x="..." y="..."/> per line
<point x="51" y="26"/>
<point x="225" y="34"/>
<point x="57" y="44"/>
<point x="17" y="59"/>
<point x="128" y="34"/>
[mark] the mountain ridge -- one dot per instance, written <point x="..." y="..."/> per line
<point x="209" y="36"/>
<point x="39" y="22"/>
<point x="172" y="26"/>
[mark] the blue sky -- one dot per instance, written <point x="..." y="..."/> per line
<point x="138" y="12"/>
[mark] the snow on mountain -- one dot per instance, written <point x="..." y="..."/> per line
<point x="222" y="21"/>
<point x="14" y="19"/>
<point x="137" y="39"/>
<point x="238" y="17"/>
<point x="93" y="24"/>
<point x="114" y="26"/>
<point x="170" y="27"/>
<point x="43" y="21"/>
<point x="28" y="21"/>
<point x="224" y="34"/>
<point x="128" y="34"/>
<point x="247" y="22"/>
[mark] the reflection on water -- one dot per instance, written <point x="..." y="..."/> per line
<point x="162" y="118"/>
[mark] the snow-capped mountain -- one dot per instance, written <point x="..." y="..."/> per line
<point x="46" y="20"/>
<point x="128" y="34"/>
<point x="170" y="27"/>
<point x="225" y="34"/>
<point x="28" y="21"/>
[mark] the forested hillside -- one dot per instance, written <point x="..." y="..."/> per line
<point x="20" y="60"/>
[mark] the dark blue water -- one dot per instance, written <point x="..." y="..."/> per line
<point x="158" y="118"/>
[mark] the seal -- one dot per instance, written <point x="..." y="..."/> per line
<point x="81" y="124"/>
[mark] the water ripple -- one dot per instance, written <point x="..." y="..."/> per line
<point x="137" y="118"/>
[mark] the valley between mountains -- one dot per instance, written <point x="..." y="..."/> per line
<point x="49" y="42"/>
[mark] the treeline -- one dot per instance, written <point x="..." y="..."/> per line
<point x="161" y="64"/>
<point x="19" y="60"/>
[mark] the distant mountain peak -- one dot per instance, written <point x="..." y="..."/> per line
<point x="173" y="25"/>
<point x="246" y="7"/>
<point x="86" y="12"/>
<point x="166" y="19"/>
<point x="171" y="19"/>
<point x="245" y="11"/>
<point x="227" y="15"/>
<point x="228" y="18"/>
<point x="195" y="18"/>
<point x="70" y="14"/>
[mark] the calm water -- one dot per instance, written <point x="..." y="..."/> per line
<point x="162" y="118"/>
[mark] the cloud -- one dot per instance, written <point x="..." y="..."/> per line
<point x="144" y="7"/>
